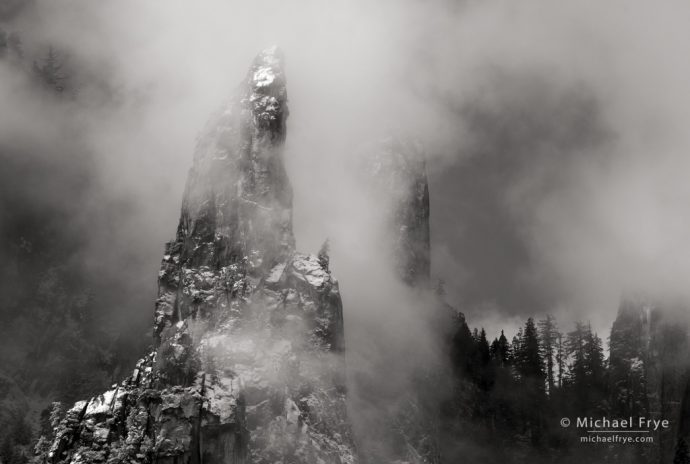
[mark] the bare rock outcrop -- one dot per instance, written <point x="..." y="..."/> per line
<point x="248" y="334"/>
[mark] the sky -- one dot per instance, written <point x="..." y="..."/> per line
<point x="555" y="136"/>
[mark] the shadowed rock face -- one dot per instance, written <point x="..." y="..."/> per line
<point x="397" y="172"/>
<point x="247" y="365"/>
<point x="237" y="206"/>
<point x="649" y="372"/>
<point x="405" y="427"/>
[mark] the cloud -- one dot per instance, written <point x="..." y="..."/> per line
<point x="556" y="137"/>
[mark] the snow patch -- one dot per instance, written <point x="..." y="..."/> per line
<point x="101" y="404"/>
<point x="276" y="273"/>
<point x="308" y="269"/>
<point x="263" y="77"/>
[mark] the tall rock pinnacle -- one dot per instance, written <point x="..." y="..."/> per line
<point x="398" y="172"/>
<point x="247" y="365"/>
<point x="405" y="426"/>
<point x="238" y="188"/>
<point x="237" y="206"/>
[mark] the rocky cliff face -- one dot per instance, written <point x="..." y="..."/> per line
<point x="397" y="171"/>
<point x="649" y="371"/>
<point x="629" y="344"/>
<point x="247" y="365"/>
<point x="405" y="428"/>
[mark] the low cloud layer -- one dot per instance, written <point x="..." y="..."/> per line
<point x="555" y="134"/>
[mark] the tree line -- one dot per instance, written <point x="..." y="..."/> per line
<point x="509" y="396"/>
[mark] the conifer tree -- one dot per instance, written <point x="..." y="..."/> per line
<point x="500" y="350"/>
<point x="587" y="373"/>
<point x="529" y="366"/>
<point x="560" y="358"/>
<point x="514" y="352"/>
<point x="575" y="350"/>
<point x="482" y="368"/>
<point x="548" y="333"/>
<point x="50" y="71"/>
<point x="483" y="348"/>
<point x="323" y="255"/>
<point x="528" y="361"/>
<point x="462" y="347"/>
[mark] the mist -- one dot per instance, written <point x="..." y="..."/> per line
<point x="555" y="138"/>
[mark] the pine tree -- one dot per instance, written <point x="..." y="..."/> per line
<point x="596" y="369"/>
<point x="560" y="358"/>
<point x="594" y="355"/>
<point x="528" y="361"/>
<point x="50" y="71"/>
<point x="587" y="373"/>
<point x="515" y="350"/>
<point x="462" y="347"/>
<point x="548" y="333"/>
<point x="483" y="369"/>
<point x="483" y="348"/>
<point x="57" y="413"/>
<point x="575" y="349"/>
<point x="530" y="368"/>
<point x="500" y="350"/>
<point x="493" y="349"/>
<point x="323" y="256"/>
